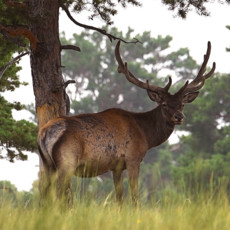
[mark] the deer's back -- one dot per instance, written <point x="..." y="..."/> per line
<point x="99" y="140"/>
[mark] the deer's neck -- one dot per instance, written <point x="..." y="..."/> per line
<point x="155" y="127"/>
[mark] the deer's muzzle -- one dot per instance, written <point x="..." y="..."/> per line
<point x="178" y="118"/>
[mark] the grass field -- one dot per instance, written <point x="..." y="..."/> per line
<point x="168" y="214"/>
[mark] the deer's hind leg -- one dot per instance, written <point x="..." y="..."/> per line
<point x="65" y="155"/>
<point x="47" y="189"/>
<point x="63" y="186"/>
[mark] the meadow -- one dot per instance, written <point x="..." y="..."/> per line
<point x="170" y="213"/>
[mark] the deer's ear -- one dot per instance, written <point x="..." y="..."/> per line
<point x="154" y="96"/>
<point x="189" y="97"/>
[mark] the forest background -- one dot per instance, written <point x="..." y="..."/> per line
<point x="202" y="156"/>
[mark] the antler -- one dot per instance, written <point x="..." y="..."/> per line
<point x="199" y="81"/>
<point x="193" y="86"/>
<point x="123" y="68"/>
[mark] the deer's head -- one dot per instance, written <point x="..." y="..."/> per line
<point x="171" y="106"/>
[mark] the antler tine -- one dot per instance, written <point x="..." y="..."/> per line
<point x="204" y="64"/>
<point x="123" y="68"/>
<point x="199" y="81"/>
<point x="166" y="88"/>
<point x="211" y="71"/>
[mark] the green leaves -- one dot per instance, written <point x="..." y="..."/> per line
<point x="208" y="114"/>
<point x="15" y="136"/>
<point x="195" y="174"/>
<point x="103" y="9"/>
<point x="183" y="7"/>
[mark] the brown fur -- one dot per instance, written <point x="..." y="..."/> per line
<point x="114" y="140"/>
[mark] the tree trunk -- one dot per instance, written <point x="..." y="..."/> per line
<point x="46" y="65"/>
<point x="46" y="61"/>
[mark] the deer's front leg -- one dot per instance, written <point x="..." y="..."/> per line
<point x="133" y="174"/>
<point x="118" y="184"/>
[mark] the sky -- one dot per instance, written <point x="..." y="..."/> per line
<point x="193" y="32"/>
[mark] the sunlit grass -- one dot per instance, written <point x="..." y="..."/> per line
<point x="166" y="214"/>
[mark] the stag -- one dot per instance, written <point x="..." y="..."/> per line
<point x="89" y="145"/>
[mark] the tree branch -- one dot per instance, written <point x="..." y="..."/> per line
<point x="16" y="40"/>
<point x="65" y="84"/>
<point x="20" y="30"/>
<point x="70" y="47"/>
<point x="4" y="68"/>
<point x="110" y="36"/>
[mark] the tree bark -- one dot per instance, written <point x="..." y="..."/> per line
<point x="46" y="60"/>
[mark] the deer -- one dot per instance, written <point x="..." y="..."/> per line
<point x="88" y="145"/>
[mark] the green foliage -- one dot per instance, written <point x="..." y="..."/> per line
<point x="222" y="145"/>
<point x="18" y="15"/>
<point x="203" y="165"/>
<point x="15" y="136"/>
<point x="10" y="80"/>
<point x="8" y="193"/>
<point x="10" y="196"/>
<point x="182" y="7"/>
<point x="208" y="115"/>
<point x="196" y="175"/>
<point x="10" y="45"/>
<point x="100" y="8"/>
<point x="204" y="154"/>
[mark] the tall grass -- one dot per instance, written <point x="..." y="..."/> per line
<point x="170" y="213"/>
